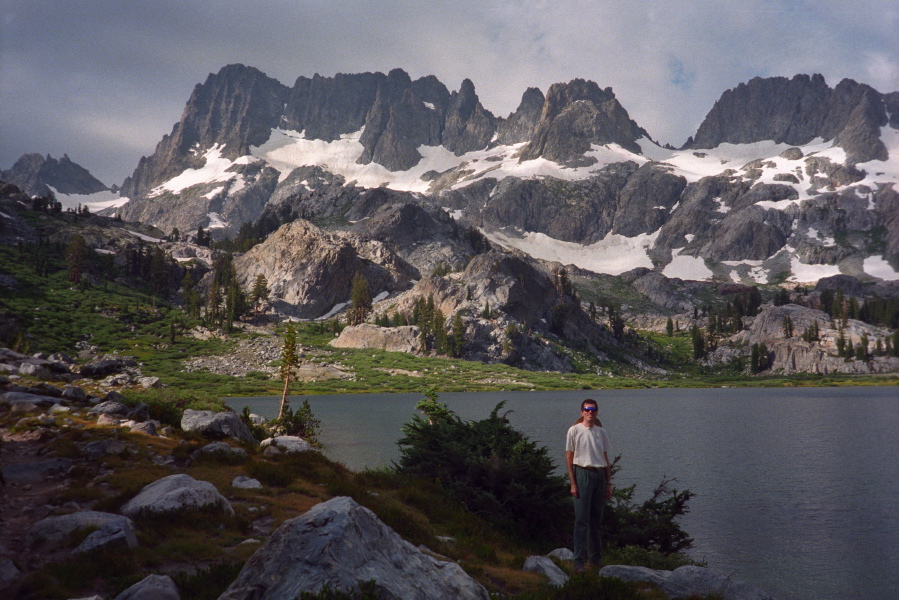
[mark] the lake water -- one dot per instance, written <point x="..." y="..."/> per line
<point x="797" y="490"/>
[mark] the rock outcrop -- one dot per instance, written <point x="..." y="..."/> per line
<point x="391" y="339"/>
<point x="788" y="355"/>
<point x="340" y="544"/>
<point x="310" y="271"/>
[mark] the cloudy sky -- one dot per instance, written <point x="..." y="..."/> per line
<point x="104" y="80"/>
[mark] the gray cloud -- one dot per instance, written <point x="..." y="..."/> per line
<point x="103" y="80"/>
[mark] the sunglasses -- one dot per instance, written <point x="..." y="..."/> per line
<point x="590" y="409"/>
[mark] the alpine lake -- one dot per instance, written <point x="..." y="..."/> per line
<point x="796" y="488"/>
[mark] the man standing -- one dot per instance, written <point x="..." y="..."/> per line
<point x="589" y="471"/>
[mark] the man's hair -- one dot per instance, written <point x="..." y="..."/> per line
<point x="588" y="401"/>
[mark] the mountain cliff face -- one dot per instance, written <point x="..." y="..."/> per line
<point x="35" y="174"/>
<point x="795" y="112"/>
<point x="576" y="115"/>
<point x="786" y="179"/>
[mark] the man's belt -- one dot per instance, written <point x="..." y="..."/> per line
<point x="591" y="468"/>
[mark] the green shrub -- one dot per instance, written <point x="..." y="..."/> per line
<point x="271" y="474"/>
<point x="301" y="423"/>
<point x="208" y="583"/>
<point x="494" y="470"/>
<point x="651" y="525"/>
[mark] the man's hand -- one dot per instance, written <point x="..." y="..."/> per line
<point x="608" y="490"/>
<point x="574" y="491"/>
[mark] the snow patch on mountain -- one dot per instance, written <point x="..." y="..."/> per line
<point x="884" y="171"/>
<point x="94" y="202"/>
<point x="683" y="266"/>
<point x="286" y="150"/>
<point x="876" y="266"/>
<point x="215" y="170"/>
<point x="613" y="255"/>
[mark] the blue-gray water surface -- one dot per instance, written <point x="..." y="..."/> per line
<point x="796" y="489"/>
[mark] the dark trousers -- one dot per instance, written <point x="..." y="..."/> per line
<point x="588" y="507"/>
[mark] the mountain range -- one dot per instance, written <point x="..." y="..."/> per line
<point x="784" y="179"/>
<point x="430" y="195"/>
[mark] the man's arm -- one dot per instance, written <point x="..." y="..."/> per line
<point x="608" y="475"/>
<point x="569" y="462"/>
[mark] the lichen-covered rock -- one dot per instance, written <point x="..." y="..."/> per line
<point x="339" y="544"/>
<point x="176" y="493"/>
<point x="216" y="425"/>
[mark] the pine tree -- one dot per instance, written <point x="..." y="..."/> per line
<point x="486" y="314"/>
<point x="360" y="300"/>
<point x="763" y="357"/>
<point x="76" y="257"/>
<point x="191" y="297"/>
<point x="458" y="336"/>
<point x="698" y="342"/>
<point x="669" y="327"/>
<point x="440" y="338"/>
<point x="259" y="294"/>
<point x="788" y="327"/>
<point x="290" y="359"/>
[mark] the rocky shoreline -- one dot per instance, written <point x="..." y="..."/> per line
<point x="65" y="448"/>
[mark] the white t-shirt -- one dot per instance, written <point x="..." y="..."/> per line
<point x="589" y="444"/>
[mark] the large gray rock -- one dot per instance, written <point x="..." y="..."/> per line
<point x="74" y="394"/>
<point x="287" y="443"/>
<point x="25" y="399"/>
<point x="562" y="554"/>
<point x="54" y="530"/>
<point x="338" y="544"/>
<point x="36" y="472"/>
<point x="176" y="493"/>
<point x="216" y="425"/>
<point x="152" y="587"/>
<point x="222" y="450"/>
<point x="10" y="576"/>
<point x="688" y="581"/>
<point x="545" y="566"/>
<point x="109" y="407"/>
<point x="114" y="534"/>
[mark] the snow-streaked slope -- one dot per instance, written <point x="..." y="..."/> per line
<point x="615" y="254"/>
<point x="94" y="202"/>
<point x="286" y="150"/>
